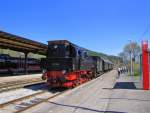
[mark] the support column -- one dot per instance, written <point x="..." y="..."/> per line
<point x="145" y="66"/>
<point x="141" y="66"/>
<point x="26" y="65"/>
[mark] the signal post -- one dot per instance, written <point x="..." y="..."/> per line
<point x="145" y="65"/>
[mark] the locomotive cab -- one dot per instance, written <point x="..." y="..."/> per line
<point x="60" y="63"/>
<point x="60" y="56"/>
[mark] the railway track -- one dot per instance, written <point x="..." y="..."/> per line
<point x="5" y="86"/>
<point x="26" y="102"/>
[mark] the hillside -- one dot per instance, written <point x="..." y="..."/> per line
<point x="112" y="58"/>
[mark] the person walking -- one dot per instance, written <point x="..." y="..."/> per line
<point x="119" y="72"/>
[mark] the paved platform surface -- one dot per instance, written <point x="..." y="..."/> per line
<point x="107" y="94"/>
<point x="19" y="77"/>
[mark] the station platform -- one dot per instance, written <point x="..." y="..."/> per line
<point x="107" y="93"/>
<point x="19" y="77"/>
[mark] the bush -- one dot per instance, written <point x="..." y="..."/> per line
<point x="136" y="73"/>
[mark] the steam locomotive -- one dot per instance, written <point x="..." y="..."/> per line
<point x="15" y="65"/>
<point x="68" y="65"/>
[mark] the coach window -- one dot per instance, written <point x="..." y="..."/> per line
<point x="72" y="51"/>
<point x="85" y="54"/>
<point x="79" y="53"/>
<point x="67" y="54"/>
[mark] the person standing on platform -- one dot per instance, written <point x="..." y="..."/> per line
<point x="119" y="72"/>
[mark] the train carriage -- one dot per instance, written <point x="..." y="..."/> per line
<point x="98" y="65"/>
<point x="16" y="65"/>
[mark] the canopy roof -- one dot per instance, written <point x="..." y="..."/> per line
<point x="17" y="43"/>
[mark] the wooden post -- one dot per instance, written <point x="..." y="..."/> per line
<point x="26" y="65"/>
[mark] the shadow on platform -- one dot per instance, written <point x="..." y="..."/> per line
<point x="45" y="87"/>
<point x="84" y="108"/>
<point x="124" y="85"/>
<point x="135" y="99"/>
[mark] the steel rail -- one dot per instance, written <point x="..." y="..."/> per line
<point x="10" y="86"/>
<point x="20" y="99"/>
<point x="43" y="100"/>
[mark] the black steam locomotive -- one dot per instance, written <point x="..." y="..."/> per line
<point x="68" y="65"/>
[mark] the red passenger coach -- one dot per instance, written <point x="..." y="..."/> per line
<point x="68" y="65"/>
<point x="14" y="65"/>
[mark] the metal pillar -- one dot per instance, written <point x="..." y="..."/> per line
<point x="131" y="73"/>
<point x="140" y="65"/>
<point x="131" y="50"/>
<point x="26" y="65"/>
<point x="145" y="66"/>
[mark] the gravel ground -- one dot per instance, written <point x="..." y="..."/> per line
<point x="19" y="77"/>
<point x="18" y="93"/>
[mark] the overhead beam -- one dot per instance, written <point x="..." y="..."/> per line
<point x="21" y="39"/>
<point x="17" y="43"/>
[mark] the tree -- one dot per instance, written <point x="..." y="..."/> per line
<point x="123" y="56"/>
<point x="130" y="48"/>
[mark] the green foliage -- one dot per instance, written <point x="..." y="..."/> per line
<point x="134" y="47"/>
<point x="92" y="53"/>
<point x="136" y="69"/>
<point x="136" y="73"/>
<point x="113" y="59"/>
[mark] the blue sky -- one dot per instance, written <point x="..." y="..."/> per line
<point x="99" y="25"/>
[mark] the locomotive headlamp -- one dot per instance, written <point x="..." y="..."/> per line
<point x="63" y="71"/>
<point x="44" y="76"/>
<point x="55" y="46"/>
<point x="43" y="71"/>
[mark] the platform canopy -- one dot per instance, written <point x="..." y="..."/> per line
<point x="17" y="43"/>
